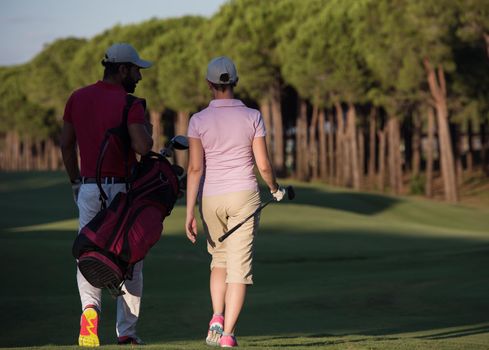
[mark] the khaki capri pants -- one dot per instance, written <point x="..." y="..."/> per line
<point x="221" y="213"/>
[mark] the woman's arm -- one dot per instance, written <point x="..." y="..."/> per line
<point x="263" y="163"/>
<point x="194" y="173"/>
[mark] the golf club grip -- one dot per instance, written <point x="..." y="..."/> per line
<point x="227" y="234"/>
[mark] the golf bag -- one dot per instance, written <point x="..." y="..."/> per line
<point x="121" y="234"/>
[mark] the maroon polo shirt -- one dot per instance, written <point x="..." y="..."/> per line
<point x="92" y="110"/>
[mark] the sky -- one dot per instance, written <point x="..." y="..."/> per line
<point x="27" y="25"/>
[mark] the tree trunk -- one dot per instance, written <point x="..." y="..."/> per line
<point x="323" y="158"/>
<point x="429" y="152"/>
<point x="470" y="148"/>
<point x="382" y="149"/>
<point x="394" y="153"/>
<point x="371" y="144"/>
<point x="158" y="132"/>
<point x="457" y="154"/>
<point x="484" y="147"/>
<point x="437" y="84"/>
<point x="27" y="154"/>
<point x="278" y="133"/>
<point x="416" y="159"/>
<point x="38" y="155"/>
<point x="8" y="152"/>
<point x="16" y="161"/>
<point x="301" y="157"/>
<point x="338" y="147"/>
<point x="43" y="155"/>
<point x="267" y="119"/>
<point x="353" y="143"/>
<point x="181" y="126"/>
<point x="331" y="150"/>
<point x="341" y="150"/>
<point x="54" y="155"/>
<point x="486" y="39"/>
<point x="361" y="155"/>
<point x="313" y="145"/>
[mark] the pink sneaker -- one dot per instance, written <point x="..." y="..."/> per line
<point x="228" y="341"/>
<point x="216" y="327"/>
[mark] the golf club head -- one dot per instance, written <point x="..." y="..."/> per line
<point x="179" y="142"/>
<point x="290" y="192"/>
<point x="167" y="152"/>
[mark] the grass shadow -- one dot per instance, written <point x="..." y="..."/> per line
<point x="337" y="283"/>
<point x="348" y="201"/>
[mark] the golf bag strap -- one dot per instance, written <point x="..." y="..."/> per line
<point x="123" y="132"/>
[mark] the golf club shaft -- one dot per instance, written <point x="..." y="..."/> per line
<point x="226" y="235"/>
<point x="290" y="195"/>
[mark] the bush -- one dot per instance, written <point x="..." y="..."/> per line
<point x="416" y="184"/>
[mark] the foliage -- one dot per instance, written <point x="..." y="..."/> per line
<point x="360" y="51"/>
<point x="179" y="75"/>
<point x="246" y="31"/>
<point x="17" y="112"/>
<point x="49" y="84"/>
<point x="417" y="184"/>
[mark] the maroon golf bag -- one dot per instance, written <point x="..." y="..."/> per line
<point x="122" y="234"/>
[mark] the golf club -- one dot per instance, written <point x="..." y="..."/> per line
<point x="177" y="142"/>
<point x="290" y="195"/>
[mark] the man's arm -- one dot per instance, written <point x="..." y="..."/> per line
<point x="69" y="152"/>
<point x="141" y="140"/>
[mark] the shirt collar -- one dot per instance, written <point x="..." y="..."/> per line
<point x="110" y="86"/>
<point x="226" y="103"/>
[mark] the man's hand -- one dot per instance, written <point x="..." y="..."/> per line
<point x="279" y="194"/>
<point x="75" y="188"/>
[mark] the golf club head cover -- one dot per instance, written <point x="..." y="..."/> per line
<point x="290" y="192"/>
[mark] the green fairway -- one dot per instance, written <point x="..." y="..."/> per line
<point x="334" y="269"/>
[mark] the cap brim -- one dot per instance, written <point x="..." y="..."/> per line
<point x="143" y="64"/>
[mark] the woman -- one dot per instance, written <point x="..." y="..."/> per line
<point x="224" y="139"/>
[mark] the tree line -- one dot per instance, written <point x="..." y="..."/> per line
<point x="368" y="94"/>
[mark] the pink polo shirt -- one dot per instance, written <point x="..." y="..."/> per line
<point x="226" y="129"/>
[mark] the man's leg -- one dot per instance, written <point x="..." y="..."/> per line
<point x="89" y="206"/>
<point x="128" y="304"/>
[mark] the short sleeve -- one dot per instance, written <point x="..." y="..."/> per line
<point x="67" y="116"/>
<point x="260" y="127"/>
<point x="192" y="128"/>
<point x="136" y="114"/>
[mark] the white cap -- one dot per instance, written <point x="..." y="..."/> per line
<point x="125" y="53"/>
<point x="221" y="70"/>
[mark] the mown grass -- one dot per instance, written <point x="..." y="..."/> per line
<point x="334" y="269"/>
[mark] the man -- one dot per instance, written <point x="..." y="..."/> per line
<point x="225" y="140"/>
<point x="89" y="112"/>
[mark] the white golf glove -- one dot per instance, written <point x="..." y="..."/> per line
<point x="279" y="194"/>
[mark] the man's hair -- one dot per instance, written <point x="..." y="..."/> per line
<point x="112" y="68"/>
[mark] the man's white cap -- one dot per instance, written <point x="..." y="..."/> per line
<point x="125" y="53"/>
<point x="221" y="70"/>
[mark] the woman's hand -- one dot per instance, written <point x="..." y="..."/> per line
<point x="191" y="228"/>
